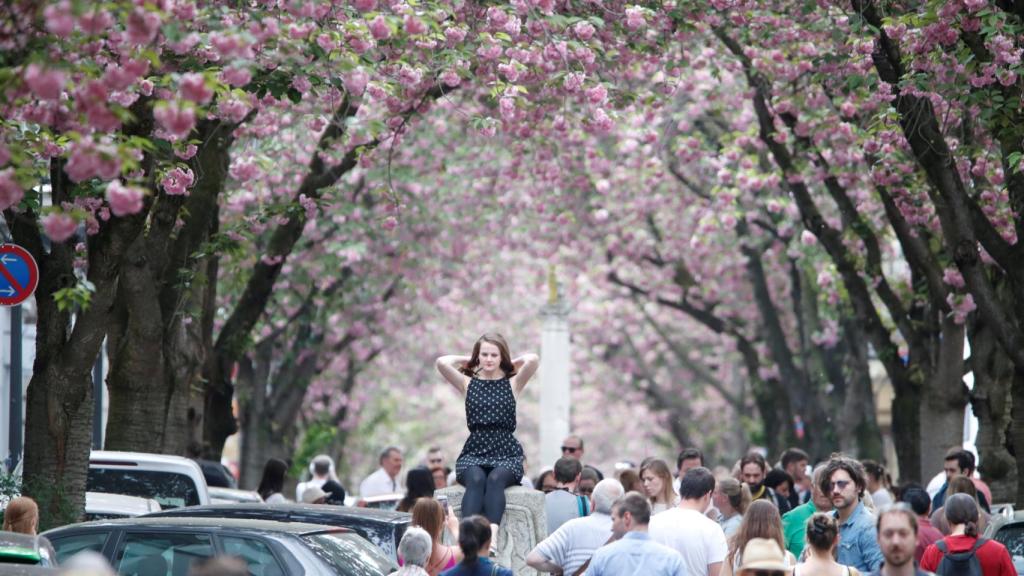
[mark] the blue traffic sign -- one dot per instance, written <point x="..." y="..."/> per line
<point x="19" y="275"/>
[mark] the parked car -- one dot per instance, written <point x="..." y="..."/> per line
<point x="1008" y="530"/>
<point x="168" y="546"/>
<point x="18" y="548"/>
<point x="102" y="506"/>
<point x="383" y="528"/>
<point x="172" y="481"/>
<point x="217" y="474"/>
<point x="220" y="495"/>
<point x="382" y="502"/>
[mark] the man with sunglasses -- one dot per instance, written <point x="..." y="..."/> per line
<point x="844" y="482"/>
<point x="572" y="447"/>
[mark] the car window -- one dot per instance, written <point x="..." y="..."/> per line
<point x="348" y="554"/>
<point x="170" y="489"/>
<point x="256" y="554"/>
<point x="68" y="546"/>
<point x="161" y="553"/>
<point x="1012" y="536"/>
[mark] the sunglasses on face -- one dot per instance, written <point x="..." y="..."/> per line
<point x="569" y="449"/>
<point x="436" y="460"/>
<point x="841" y="484"/>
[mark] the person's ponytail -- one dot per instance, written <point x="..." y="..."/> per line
<point x="474" y="534"/>
<point x="971" y="529"/>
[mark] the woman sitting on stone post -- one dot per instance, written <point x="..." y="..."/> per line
<point x="492" y="459"/>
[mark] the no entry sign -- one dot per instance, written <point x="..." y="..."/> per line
<point x="19" y="275"/>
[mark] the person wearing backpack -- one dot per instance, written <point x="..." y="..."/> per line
<point x="563" y="504"/>
<point x="963" y="553"/>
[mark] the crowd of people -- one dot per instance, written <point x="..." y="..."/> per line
<point x="842" y="517"/>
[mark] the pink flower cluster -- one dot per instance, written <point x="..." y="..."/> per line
<point x="124" y="200"/>
<point x="176" y="119"/>
<point x="59" y="225"/>
<point x="87" y="159"/>
<point x="10" y="191"/>
<point x="177" y="181"/>
<point x="45" y="83"/>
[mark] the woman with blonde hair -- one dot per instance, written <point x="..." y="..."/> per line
<point x="657" y="480"/>
<point x="22" y="516"/>
<point x="761" y="520"/>
<point x="732" y="498"/>
<point x="428" y="514"/>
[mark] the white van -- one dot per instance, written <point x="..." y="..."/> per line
<point x="173" y="481"/>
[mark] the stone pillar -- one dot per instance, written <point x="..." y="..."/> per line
<point x="523" y="525"/>
<point x="554" y="375"/>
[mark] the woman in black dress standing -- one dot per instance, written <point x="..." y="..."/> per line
<point x="492" y="459"/>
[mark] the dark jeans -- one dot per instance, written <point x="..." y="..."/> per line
<point x="485" y="491"/>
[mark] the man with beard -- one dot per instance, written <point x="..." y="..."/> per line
<point x="753" y="469"/>
<point x="897" y="537"/>
<point x="844" y="482"/>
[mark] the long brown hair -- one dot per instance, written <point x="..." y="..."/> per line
<point x="428" y="514"/>
<point x="761" y="520"/>
<point x="21" y="515"/>
<point x="660" y="469"/>
<point x="473" y="366"/>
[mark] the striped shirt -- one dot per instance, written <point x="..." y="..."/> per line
<point x="575" y="541"/>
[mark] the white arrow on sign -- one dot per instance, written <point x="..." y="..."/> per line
<point x="7" y="259"/>
<point x="10" y="291"/>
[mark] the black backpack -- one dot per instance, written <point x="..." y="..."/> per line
<point x="962" y="563"/>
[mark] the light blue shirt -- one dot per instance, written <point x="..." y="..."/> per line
<point x="858" y="545"/>
<point x="636" y="555"/>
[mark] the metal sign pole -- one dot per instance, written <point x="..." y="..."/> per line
<point x="16" y="424"/>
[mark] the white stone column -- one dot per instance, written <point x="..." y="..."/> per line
<point x="554" y="376"/>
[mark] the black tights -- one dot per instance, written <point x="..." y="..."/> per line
<point x="485" y="491"/>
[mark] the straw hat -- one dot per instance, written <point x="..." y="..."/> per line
<point x="764" y="554"/>
<point x="312" y="494"/>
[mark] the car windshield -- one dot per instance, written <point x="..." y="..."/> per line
<point x="170" y="489"/>
<point x="1012" y="536"/>
<point x="349" y="554"/>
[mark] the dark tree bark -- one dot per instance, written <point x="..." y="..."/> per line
<point x="58" y="426"/>
<point x="155" y="347"/>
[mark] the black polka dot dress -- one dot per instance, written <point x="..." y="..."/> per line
<point x="491" y="417"/>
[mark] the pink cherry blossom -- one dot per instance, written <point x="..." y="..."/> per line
<point x="59" y="226"/>
<point x="379" y="28"/>
<point x="176" y="119"/>
<point x="952" y="277"/>
<point x="236" y="77"/>
<point x="365" y="5"/>
<point x="60" y="19"/>
<point x="193" y="87"/>
<point x="414" y="26"/>
<point x="89" y="160"/>
<point x="124" y="200"/>
<point x="10" y="191"/>
<point x="45" y="83"/>
<point x="635" y="18"/>
<point x="584" y="30"/>
<point x="233" y="109"/>
<point x="356" y="80"/>
<point x="95" y="21"/>
<point x="142" y="26"/>
<point x="450" y="78"/>
<point x="177" y="181"/>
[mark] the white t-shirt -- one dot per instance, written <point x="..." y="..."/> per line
<point x="698" y="538"/>
<point x="576" y="541"/>
<point x="314" y="482"/>
<point x="379" y="484"/>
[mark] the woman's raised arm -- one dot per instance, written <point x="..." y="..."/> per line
<point x="449" y="366"/>
<point x="526" y="365"/>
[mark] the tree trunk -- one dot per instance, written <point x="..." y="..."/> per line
<point x="135" y="382"/>
<point x="943" y="405"/>
<point x="156" y="348"/>
<point x="991" y="403"/>
<point x="1018" y="431"/>
<point x="58" y="439"/>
